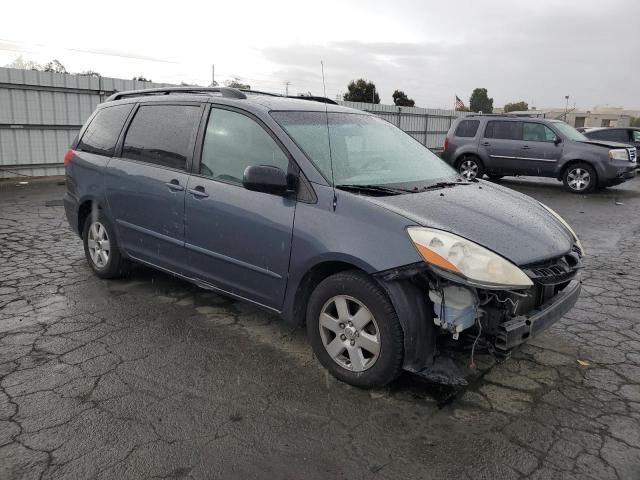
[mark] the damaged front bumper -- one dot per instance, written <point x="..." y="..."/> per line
<point x="521" y="328"/>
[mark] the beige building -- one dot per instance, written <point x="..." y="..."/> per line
<point x="599" y="116"/>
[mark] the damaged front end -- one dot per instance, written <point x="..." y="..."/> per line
<point x="444" y="309"/>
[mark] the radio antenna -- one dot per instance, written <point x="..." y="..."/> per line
<point x="334" y="202"/>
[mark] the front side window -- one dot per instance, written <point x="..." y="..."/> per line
<point x="537" y="132"/>
<point x="162" y="135"/>
<point x="359" y="149"/>
<point x="467" y="128"/>
<point x="504" y="130"/>
<point x="233" y="142"/>
<point x="101" y="135"/>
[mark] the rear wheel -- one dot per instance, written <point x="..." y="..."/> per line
<point x="354" y="330"/>
<point x="580" y="178"/>
<point x="101" y="248"/>
<point x="470" y="167"/>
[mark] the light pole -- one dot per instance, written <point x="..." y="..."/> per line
<point x="566" y="107"/>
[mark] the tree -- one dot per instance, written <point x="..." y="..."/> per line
<point x="140" y="78"/>
<point x="401" y="100"/>
<point x="236" y="83"/>
<point x="520" y="106"/>
<point x="480" y="101"/>
<point x="23" y="64"/>
<point x="54" y="66"/>
<point x="361" y="90"/>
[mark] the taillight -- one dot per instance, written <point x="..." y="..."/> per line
<point x="67" y="158"/>
<point x="446" y="143"/>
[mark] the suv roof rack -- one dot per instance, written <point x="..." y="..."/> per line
<point x="224" y="91"/>
<point x="493" y="115"/>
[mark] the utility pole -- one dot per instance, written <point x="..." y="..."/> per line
<point x="566" y="107"/>
<point x="286" y="88"/>
<point x="213" y="75"/>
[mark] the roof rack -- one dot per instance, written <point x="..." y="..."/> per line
<point x="227" y="92"/>
<point x="493" y="115"/>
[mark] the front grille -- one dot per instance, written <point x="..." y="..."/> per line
<point x="555" y="271"/>
<point x="633" y="155"/>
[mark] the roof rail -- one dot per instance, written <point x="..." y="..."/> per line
<point x="227" y="92"/>
<point x="317" y="99"/>
<point x="493" y="115"/>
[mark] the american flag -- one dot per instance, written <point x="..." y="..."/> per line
<point x="459" y="103"/>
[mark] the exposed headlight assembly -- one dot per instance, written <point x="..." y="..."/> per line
<point x="563" y="222"/>
<point x="468" y="261"/>
<point x="619" y="154"/>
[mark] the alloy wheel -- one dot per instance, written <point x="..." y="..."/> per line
<point x="469" y="169"/>
<point x="578" y="179"/>
<point x="349" y="333"/>
<point x="98" y="244"/>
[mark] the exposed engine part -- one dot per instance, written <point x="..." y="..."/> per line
<point x="455" y="308"/>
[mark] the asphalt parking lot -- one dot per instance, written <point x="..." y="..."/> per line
<point x="150" y="377"/>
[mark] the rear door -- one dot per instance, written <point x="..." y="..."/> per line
<point x="146" y="184"/>
<point x="238" y="240"/>
<point x="498" y="143"/>
<point x="539" y="150"/>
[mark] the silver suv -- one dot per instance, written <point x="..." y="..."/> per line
<point x="499" y="145"/>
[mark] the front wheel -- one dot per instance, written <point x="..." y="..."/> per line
<point x="580" y="178"/>
<point x="470" y="167"/>
<point x="354" y="330"/>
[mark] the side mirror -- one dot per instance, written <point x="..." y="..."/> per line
<point x="267" y="179"/>
<point x="557" y="141"/>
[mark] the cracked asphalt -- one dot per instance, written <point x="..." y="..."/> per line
<point x="150" y="377"/>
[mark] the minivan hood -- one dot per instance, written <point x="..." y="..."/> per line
<point x="509" y="223"/>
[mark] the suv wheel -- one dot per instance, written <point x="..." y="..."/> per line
<point x="354" y="330"/>
<point x="470" y="167"/>
<point x="580" y="178"/>
<point x="101" y="248"/>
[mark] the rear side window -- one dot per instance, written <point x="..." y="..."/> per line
<point x="467" y="128"/>
<point x="504" y="130"/>
<point x="234" y="142"/>
<point x="162" y="135"/>
<point x="101" y="135"/>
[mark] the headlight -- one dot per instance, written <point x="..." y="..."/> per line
<point x="475" y="264"/>
<point x="562" y="221"/>
<point x="619" y="154"/>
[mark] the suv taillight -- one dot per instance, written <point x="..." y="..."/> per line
<point x="67" y="158"/>
<point x="446" y="143"/>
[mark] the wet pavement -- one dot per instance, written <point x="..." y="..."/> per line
<point x="150" y="377"/>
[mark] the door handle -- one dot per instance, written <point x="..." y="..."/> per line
<point x="198" y="192"/>
<point x="174" y="186"/>
<point x="526" y="147"/>
<point x="485" y="144"/>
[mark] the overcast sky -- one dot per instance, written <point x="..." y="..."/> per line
<point x="537" y="51"/>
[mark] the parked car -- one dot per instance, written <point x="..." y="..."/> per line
<point x="629" y="135"/>
<point x="322" y="215"/>
<point x="500" y="145"/>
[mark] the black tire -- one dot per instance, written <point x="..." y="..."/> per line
<point x="467" y="164"/>
<point x="367" y="292"/>
<point x="578" y="169"/>
<point x="116" y="265"/>
<point x="493" y="177"/>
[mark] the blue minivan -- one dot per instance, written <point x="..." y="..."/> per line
<point x="322" y="215"/>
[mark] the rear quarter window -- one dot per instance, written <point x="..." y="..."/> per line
<point x="101" y="135"/>
<point x="467" y="128"/>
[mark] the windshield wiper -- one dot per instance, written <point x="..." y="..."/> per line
<point x="436" y="185"/>
<point x="375" y="189"/>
